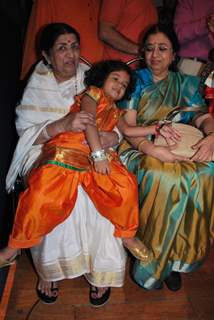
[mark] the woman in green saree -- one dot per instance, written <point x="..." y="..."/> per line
<point x="176" y="193"/>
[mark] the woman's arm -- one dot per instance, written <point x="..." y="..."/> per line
<point x="107" y="29"/>
<point x="206" y="123"/>
<point x="162" y="153"/>
<point x="73" y="121"/>
<point x="205" y="147"/>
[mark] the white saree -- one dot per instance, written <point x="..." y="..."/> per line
<point x="83" y="244"/>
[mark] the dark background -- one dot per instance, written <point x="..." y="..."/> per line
<point x="13" y="20"/>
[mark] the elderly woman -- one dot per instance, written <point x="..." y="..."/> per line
<point x="84" y="244"/>
<point x="176" y="193"/>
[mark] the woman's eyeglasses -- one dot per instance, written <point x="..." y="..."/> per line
<point x="162" y="48"/>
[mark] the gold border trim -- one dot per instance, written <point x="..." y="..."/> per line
<point x="42" y="109"/>
<point x="81" y="265"/>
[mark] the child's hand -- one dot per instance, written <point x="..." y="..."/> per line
<point x="102" y="167"/>
<point x="171" y="135"/>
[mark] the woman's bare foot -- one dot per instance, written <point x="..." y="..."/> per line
<point x="98" y="296"/>
<point x="98" y="292"/>
<point x="137" y="249"/>
<point x="47" y="287"/>
<point x="47" y="291"/>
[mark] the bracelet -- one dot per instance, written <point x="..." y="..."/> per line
<point x="98" y="155"/>
<point x="45" y="134"/>
<point x="141" y="142"/>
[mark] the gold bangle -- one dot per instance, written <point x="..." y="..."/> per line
<point x="141" y="142"/>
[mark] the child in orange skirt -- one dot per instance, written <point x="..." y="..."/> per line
<point x="67" y="161"/>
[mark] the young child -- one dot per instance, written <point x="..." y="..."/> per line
<point x="66" y="162"/>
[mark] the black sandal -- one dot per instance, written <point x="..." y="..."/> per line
<point x="46" y="298"/>
<point x="98" y="302"/>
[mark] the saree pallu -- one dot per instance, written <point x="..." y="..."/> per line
<point x="176" y="199"/>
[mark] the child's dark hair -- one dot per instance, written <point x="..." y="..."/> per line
<point x="100" y="71"/>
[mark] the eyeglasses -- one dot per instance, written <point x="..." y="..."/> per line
<point x="162" y="48"/>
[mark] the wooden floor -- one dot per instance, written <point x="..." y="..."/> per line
<point x="194" y="301"/>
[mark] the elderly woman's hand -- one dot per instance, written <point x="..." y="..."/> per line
<point x="77" y="121"/>
<point x="204" y="149"/>
<point x="73" y="121"/>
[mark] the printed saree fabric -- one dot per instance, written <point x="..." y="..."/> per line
<point x="176" y="199"/>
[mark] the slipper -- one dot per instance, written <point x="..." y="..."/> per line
<point x="46" y="298"/>
<point x="8" y="262"/>
<point x="98" y="302"/>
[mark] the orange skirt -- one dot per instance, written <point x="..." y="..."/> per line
<point x="52" y="193"/>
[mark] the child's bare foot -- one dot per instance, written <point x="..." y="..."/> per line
<point x="8" y="256"/>
<point x="137" y="249"/>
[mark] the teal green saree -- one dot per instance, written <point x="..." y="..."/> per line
<point x="176" y="199"/>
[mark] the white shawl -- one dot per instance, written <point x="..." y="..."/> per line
<point x="44" y="101"/>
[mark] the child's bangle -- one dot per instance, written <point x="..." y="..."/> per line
<point x="141" y="143"/>
<point x="98" y="155"/>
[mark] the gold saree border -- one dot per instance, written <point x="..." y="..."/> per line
<point x="68" y="268"/>
<point x="41" y="109"/>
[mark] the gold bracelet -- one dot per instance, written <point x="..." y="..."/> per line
<point x="141" y="142"/>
